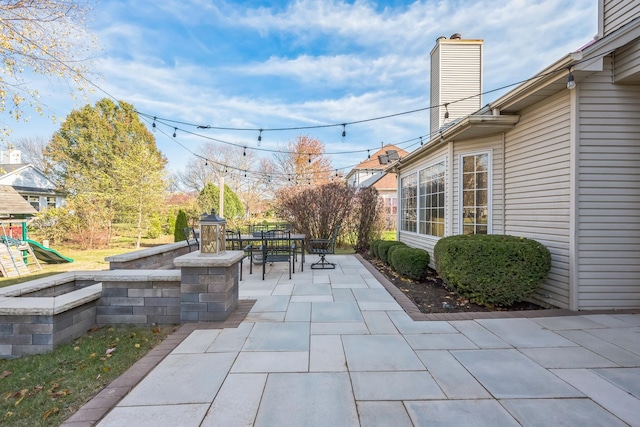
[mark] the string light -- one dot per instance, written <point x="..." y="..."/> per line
<point x="153" y="125"/>
<point x="571" y="82"/>
<point x="244" y="151"/>
<point x="421" y="142"/>
<point x="309" y="157"/>
<point x="446" y="113"/>
<point x="260" y="138"/>
<point x="368" y="154"/>
<point x="174" y="132"/>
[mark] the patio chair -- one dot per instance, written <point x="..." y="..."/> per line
<point x="189" y="235"/>
<point x="234" y="243"/>
<point x="324" y="247"/>
<point x="277" y="246"/>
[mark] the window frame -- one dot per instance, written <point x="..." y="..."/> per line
<point x="461" y="156"/>
<point x="443" y="161"/>
<point x="401" y="209"/>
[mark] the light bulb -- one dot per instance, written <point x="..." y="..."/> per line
<point x="571" y="82"/>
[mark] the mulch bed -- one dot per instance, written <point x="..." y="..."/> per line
<point x="431" y="295"/>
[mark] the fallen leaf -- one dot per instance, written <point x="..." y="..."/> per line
<point x="92" y="355"/>
<point x="51" y="411"/>
<point x="110" y="350"/>
<point x="22" y="394"/>
<point x="5" y="374"/>
<point x="136" y="345"/>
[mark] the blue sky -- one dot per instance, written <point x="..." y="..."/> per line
<point x="282" y="64"/>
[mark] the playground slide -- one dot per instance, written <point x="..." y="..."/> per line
<point x="47" y="255"/>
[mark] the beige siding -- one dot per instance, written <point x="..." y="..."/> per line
<point x="494" y="145"/>
<point x="609" y="194"/>
<point x="618" y="13"/>
<point x="537" y="187"/>
<point x="435" y="92"/>
<point x="627" y="64"/>
<point x="456" y="74"/>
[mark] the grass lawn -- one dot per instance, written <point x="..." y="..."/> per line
<point x="85" y="259"/>
<point x="46" y="389"/>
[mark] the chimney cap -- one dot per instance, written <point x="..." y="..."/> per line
<point x="455" y="36"/>
<point x="441" y="38"/>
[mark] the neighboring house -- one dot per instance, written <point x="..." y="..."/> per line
<point x="31" y="183"/>
<point x="558" y="165"/>
<point x="370" y="173"/>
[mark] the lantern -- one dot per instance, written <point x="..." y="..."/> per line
<point x="212" y="234"/>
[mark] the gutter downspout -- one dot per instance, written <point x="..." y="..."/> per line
<point x="504" y="183"/>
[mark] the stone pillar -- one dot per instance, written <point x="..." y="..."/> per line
<point x="209" y="285"/>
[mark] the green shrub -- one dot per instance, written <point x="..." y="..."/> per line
<point x="492" y="269"/>
<point x="373" y="248"/>
<point x="412" y="263"/>
<point x="393" y="248"/>
<point x="181" y="222"/>
<point x="383" y="249"/>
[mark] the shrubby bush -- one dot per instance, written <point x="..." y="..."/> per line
<point x="383" y="249"/>
<point x="492" y="270"/>
<point x="412" y="263"/>
<point x="373" y="248"/>
<point x="393" y="248"/>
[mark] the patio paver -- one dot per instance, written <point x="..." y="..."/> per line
<point x="335" y="347"/>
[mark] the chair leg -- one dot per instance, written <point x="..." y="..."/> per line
<point x="323" y="264"/>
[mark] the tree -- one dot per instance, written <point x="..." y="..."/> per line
<point x="209" y="199"/>
<point x="46" y="37"/>
<point x="181" y="224"/>
<point x="95" y="154"/>
<point x="303" y="162"/>
<point x="316" y="210"/>
<point x="32" y="150"/>
<point x="140" y="185"/>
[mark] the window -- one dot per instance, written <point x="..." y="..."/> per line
<point x="33" y="201"/>
<point x="432" y="200"/>
<point x="51" y="202"/>
<point x="475" y="184"/>
<point x="408" y="199"/>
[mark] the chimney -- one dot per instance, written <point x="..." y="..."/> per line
<point x="456" y="74"/>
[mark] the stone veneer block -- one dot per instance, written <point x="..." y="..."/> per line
<point x="209" y="285"/>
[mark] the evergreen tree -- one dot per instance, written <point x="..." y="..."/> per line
<point x="181" y="223"/>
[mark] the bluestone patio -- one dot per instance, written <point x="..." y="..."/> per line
<point x="334" y="348"/>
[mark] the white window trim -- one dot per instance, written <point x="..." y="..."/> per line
<point x="446" y="198"/>
<point x="489" y="154"/>
<point x="400" y="200"/>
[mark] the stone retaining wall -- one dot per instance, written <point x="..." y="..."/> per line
<point x="154" y="258"/>
<point x="32" y="325"/>
<point x="139" y="297"/>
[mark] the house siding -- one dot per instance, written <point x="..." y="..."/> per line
<point x="627" y="63"/>
<point x="537" y="187"/>
<point x="608" y="265"/>
<point x="618" y="13"/>
<point x="456" y="77"/>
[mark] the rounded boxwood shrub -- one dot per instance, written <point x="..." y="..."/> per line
<point x="393" y="248"/>
<point x="412" y="263"/>
<point x="373" y="248"/>
<point x="492" y="270"/>
<point x="383" y="249"/>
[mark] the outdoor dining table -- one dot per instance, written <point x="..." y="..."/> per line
<point x="245" y="239"/>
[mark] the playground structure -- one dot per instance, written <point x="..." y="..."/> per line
<point x="20" y="256"/>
